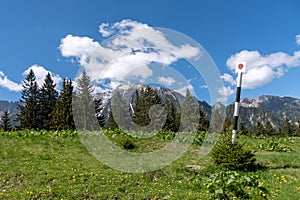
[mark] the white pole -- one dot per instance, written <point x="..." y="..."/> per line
<point x="241" y="67"/>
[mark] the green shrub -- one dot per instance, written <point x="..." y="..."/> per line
<point x="232" y="156"/>
<point x="234" y="185"/>
<point x="275" y="145"/>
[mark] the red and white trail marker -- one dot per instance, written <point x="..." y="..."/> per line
<point x="240" y="67"/>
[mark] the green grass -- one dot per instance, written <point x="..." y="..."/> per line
<point x="55" y="165"/>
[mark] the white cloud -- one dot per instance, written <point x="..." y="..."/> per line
<point x="228" y="78"/>
<point x="8" y="84"/>
<point x="298" y="39"/>
<point x="226" y="92"/>
<point x="128" y="54"/>
<point x="183" y="89"/>
<point x="40" y="74"/>
<point x="166" y="80"/>
<point x="261" y="69"/>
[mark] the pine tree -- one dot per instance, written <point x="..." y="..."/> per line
<point x="48" y="99"/>
<point x="233" y="156"/>
<point x="144" y="101"/>
<point x="298" y="128"/>
<point x="173" y="117"/>
<point x="243" y="130"/>
<point x="84" y="105"/>
<point x="62" y="115"/>
<point x="29" y="107"/>
<point x="119" y="115"/>
<point x="227" y="127"/>
<point x="5" y="124"/>
<point x="269" y="129"/>
<point x="288" y="128"/>
<point x="259" y="129"/>
<point x="203" y="121"/>
<point x="190" y="113"/>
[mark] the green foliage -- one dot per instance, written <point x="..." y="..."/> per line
<point x="232" y="156"/>
<point x="56" y="165"/>
<point x="288" y="128"/>
<point x="5" y="124"/>
<point x="275" y="144"/>
<point x="29" y="107"/>
<point x="189" y="113"/>
<point x="233" y="185"/>
<point x="48" y="97"/>
<point x="259" y="129"/>
<point x="62" y="115"/>
<point x="84" y="105"/>
<point x="243" y="130"/>
<point x="119" y="115"/>
<point x="144" y="101"/>
<point x="173" y="117"/>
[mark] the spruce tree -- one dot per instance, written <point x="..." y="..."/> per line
<point x="5" y="124"/>
<point x="29" y="108"/>
<point x="62" y="115"/>
<point x="288" y="128"/>
<point x="48" y="99"/>
<point x="232" y="156"/>
<point x="144" y="101"/>
<point x="243" y="130"/>
<point x="259" y="129"/>
<point x="85" y="109"/>
<point x="298" y="128"/>
<point x="269" y="129"/>
<point x="189" y="113"/>
<point x="203" y="121"/>
<point x="119" y="115"/>
<point x="173" y="117"/>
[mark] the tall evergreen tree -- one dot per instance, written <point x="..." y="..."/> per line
<point x="5" y="124"/>
<point x="85" y="116"/>
<point x="228" y="125"/>
<point x="203" y="121"/>
<point x="62" y="115"/>
<point x="48" y="97"/>
<point x="298" y="128"/>
<point x="269" y="129"/>
<point x="29" y="107"/>
<point x="173" y="117"/>
<point x="189" y="113"/>
<point x="288" y="128"/>
<point x="259" y="128"/>
<point x="119" y="115"/>
<point x="144" y="101"/>
<point x="243" y="130"/>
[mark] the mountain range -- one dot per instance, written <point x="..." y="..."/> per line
<point x="266" y="107"/>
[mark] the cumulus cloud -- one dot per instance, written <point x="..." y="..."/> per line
<point x="261" y="69"/>
<point x="182" y="90"/>
<point x="8" y="84"/>
<point x="298" y="39"/>
<point x="225" y="93"/>
<point x="228" y="78"/>
<point x="126" y="55"/>
<point x="166" y="80"/>
<point x="40" y="73"/>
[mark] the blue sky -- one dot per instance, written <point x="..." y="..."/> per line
<point x="264" y="33"/>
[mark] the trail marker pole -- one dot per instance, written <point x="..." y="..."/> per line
<point x="240" y="69"/>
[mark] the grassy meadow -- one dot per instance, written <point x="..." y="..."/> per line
<point x="55" y="165"/>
